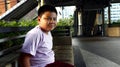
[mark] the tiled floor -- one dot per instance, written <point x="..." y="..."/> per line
<point x="96" y="52"/>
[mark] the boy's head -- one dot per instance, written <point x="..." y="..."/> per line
<point x="45" y="8"/>
<point x="47" y="17"/>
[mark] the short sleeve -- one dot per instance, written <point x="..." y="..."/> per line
<point x="30" y="44"/>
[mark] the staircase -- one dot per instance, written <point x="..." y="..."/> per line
<point x="19" y="10"/>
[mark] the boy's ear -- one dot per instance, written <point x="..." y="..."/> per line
<point x="38" y="18"/>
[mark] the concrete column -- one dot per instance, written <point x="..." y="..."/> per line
<point x="43" y="2"/>
<point x="40" y="3"/>
<point x="88" y="21"/>
<point x="75" y="23"/>
<point x="103" y="23"/>
<point x="109" y="15"/>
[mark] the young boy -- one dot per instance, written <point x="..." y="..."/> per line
<point x="37" y="47"/>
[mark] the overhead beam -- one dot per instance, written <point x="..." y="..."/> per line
<point x="115" y="1"/>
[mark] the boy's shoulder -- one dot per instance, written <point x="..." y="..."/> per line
<point x="34" y="31"/>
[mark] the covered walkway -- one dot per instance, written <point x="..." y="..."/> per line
<point x="88" y="51"/>
<point x="96" y="51"/>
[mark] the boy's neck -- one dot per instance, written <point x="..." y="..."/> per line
<point x="46" y="32"/>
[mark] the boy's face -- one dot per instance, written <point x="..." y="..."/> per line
<point x="47" y="21"/>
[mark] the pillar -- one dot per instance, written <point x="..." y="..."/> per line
<point x="75" y="25"/>
<point x="109" y="15"/>
<point x="103" y="23"/>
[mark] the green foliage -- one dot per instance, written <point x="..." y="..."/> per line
<point x="2" y="23"/>
<point x="116" y="22"/>
<point x="66" y="21"/>
<point x="11" y="34"/>
<point x="11" y="43"/>
<point x="22" y="23"/>
<point x="27" y="23"/>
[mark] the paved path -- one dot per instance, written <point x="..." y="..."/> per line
<point x="96" y="52"/>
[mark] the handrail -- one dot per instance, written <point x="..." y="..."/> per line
<point x="19" y="10"/>
<point x="13" y="8"/>
<point x="8" y="50"/>
<point x="13" y="29"/>
<point x="11" y="38"/>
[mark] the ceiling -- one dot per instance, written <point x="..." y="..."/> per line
<point x="73" y="2"/>
<point x="28" y="5"/>
<point x="86" y="4"/>
<point x="115" y="1"/>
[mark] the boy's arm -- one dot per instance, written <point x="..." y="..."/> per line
<point x="24" y="60"/>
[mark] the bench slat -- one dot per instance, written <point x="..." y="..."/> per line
<point x="8" y="59"/>
<point x="9" y="50"/>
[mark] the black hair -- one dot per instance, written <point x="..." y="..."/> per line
<point x="45" y="8"/>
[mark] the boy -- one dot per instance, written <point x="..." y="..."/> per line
<point x="37" y="47"/>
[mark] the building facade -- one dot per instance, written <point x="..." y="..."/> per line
<point x="6" y="5"/>
<point x="115" y="12"/>
<point x="65" y="12"/>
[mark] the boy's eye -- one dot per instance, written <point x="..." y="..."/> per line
<point x="49" y="19"/>
<point x="55" y="19"/>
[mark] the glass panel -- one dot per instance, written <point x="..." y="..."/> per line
<point x="115" y="13"/>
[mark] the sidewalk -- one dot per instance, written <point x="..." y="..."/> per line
<point x="97" y="52"/>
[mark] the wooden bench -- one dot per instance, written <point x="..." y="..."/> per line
<point x="63" y="49"/>
<point x="62" y="46"/>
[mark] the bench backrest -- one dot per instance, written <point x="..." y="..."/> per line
<point x="9" y="53"/>
<point x="62" y="31"/>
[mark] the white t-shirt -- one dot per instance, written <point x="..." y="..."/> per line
<point x="39" y="45"/>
